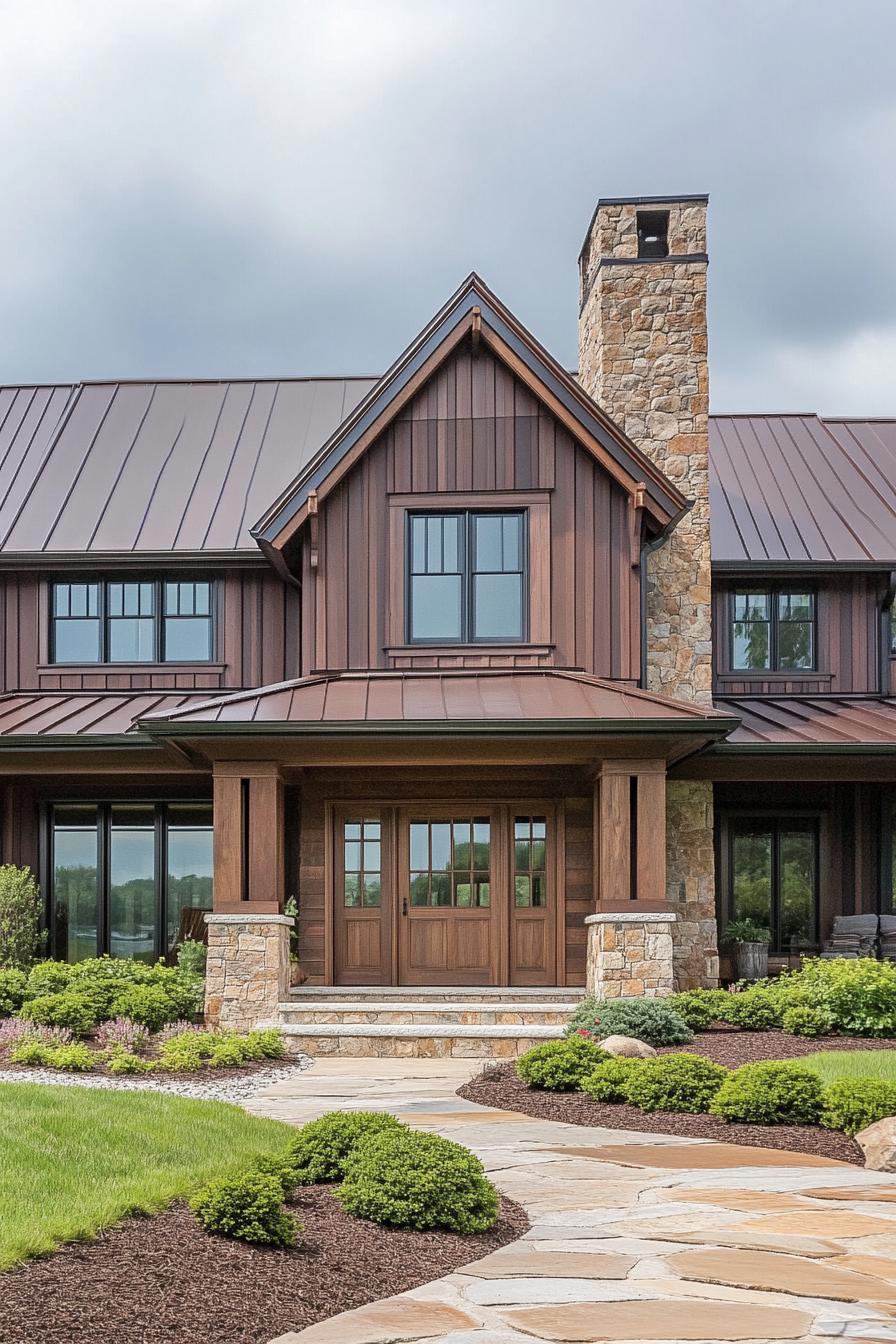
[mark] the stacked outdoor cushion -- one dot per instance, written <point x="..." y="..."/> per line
<point x="853" y="936"/>
<point x="888" y="937"/>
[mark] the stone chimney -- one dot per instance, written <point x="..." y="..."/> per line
<point x="643" y="358"/>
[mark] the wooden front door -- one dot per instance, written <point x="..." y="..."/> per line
<point x="449" y="892"/>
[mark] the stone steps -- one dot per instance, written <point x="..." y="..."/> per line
<point x="470" y="1023"/>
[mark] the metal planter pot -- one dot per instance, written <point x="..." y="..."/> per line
<point x="751" y="960"/>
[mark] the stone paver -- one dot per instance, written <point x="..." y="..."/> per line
<point x="633" y="1236"/>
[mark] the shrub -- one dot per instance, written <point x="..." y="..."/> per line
<point x="675" y="1083"/>
<point x="75" y="1058"/>
<point x="770" y="1093"/>
<point x="854" y="1104"/>
<point x="650" y="1020"/>
<point x="608" y="1080"/>
<point x="859" y="995"/>
<point x="248" y="1208"/>
<point x="803" y="1020"/>
<point x="12" y="991"/>
<point x="75" y="1011"/>
<point x="752" y="1009"/>
<point x="265" y="1043"/>
<point x="406" y="1179"/>
<point x="122" y="1034"/>
<point x="700" y="1007"/>
<point x="560" y="1066"/>
<point x="125" y="1062"/>
<point x="192" y="956"/>
<point x="30" y="1051"/>
<point x="321" y="1148"/>
<point x="48" y="977"/>
<point x="150" y="1005"/>
<point x="21" y="936"/>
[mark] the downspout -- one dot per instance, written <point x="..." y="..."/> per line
<point x="886" y="633"/>
<point x="646" y="549"/>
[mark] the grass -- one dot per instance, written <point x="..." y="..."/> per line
<point x="74" y="1160"/>
<point x="832" y="1065"/>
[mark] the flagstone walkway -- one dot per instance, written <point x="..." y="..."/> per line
<point x="634" y="1237"/>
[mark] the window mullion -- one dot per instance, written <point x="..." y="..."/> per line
<point x="469" y="552"/>
<point x="158" y="620"/>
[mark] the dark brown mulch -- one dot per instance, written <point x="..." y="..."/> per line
<point x="498" y="1086"/>
<point x="161" y="1279"/>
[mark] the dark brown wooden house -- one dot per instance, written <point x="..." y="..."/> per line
<point x="428" y="654"/>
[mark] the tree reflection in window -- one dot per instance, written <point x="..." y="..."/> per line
<point x="774" y="877"/>
<point x="451" y="863"/>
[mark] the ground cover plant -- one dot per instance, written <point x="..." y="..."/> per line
<point x="122" y="1046"/>
<point x="74" y="1160"/>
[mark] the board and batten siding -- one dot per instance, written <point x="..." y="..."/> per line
<point x="474" y="431"/>
<point x="257" y="620"/>
<point x="848" y="623"/>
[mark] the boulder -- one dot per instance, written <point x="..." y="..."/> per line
<point x="878" y="1143"/>
<point x="627" y="1047"/>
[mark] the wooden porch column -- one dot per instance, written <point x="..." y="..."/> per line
<point x="630" y="836"/>
<point x="249" y="841"/>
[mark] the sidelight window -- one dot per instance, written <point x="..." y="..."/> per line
<point x="773" y="877"/>
<point x="773" y="631"/>
<point x="466" y="577"/>
<point x="128" y="878"/>
<point x="451" y="862"/>
<point x="132" y="621"/>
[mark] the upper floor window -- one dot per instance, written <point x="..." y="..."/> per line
<point x="131" y="621"/>
<point x="773" y="631"/>
<point x="467" y="578"/>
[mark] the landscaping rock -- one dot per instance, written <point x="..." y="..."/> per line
<point x="878" y="1143"/>
<point x="627" y="1047"/>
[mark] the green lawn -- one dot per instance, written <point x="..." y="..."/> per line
<point x="74" y="1160"/>
<point x="832" y="1065"/>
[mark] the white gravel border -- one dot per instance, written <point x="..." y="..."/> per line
<point x="231" y="1089"/>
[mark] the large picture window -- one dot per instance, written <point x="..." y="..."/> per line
<point x="132" y="621"/>
<point x="772" y="631"/>
<point x="773" y="877"/>
<point x="127" y="878"/>
<point x="467" y="577"/>
<point x="889" y="854"/>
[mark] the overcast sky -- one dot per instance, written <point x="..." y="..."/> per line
<point x="208" y="188"/>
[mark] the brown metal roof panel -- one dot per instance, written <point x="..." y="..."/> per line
<point x="42" y="714"/>
<point x="229" y="451"/>
<point x="820" y="721"/>
<point x="23" y="456"/>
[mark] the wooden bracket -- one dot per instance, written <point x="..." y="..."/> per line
<point x="476" y="331"/>
<point x="313" y="528"/>
<point x="636" y="523"/>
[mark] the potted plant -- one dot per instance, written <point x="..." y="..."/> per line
<point x="750" y="941"/>
<point x="296" y="975"/>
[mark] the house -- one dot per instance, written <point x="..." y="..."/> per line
<point x="514" y="679"/>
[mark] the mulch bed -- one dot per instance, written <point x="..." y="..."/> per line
<point x="498" y="1087"/>
<point x="159" y="1279"/>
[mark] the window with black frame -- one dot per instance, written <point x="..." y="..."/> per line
<point x="132" y="621"/>
<point x="127" y="878"/>
<point x="772" y="631"/>
<point x="467" y="579"/>
<point x="773" y="877"/>
<point x="889" y="857"/>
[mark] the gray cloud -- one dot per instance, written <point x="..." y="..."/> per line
<point x="209" y="187"/>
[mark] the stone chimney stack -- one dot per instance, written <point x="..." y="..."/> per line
<point x="643" y="358"/>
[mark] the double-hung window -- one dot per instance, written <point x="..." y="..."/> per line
<point x="772" y="631"/>
<point x="131" y="621"/>
<point x="467" y="579"/>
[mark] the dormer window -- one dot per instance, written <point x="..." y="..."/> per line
<point x="467" y="578"/>
<point x="131" y="621"/>
<point x="773" y="631"/>
<point x="653" y="233"/>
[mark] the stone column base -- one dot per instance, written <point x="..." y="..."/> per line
<point x="630" y="955"/>
<point x="247" y="972"/>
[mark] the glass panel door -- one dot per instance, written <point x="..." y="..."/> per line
<point x="774" y="878"/>
<point x="75" y="882"/>
<point x="132" y="883"/>
<point x="189" y="877"/>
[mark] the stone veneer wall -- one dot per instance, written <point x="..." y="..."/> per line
<point x="247" y="971"/>
<point x="643" y="357"/>
<point x="630" y="956"/>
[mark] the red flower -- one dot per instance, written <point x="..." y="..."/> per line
<point x="583" y="1031"/>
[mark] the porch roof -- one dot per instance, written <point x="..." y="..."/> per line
<point x="800" y="723"/>
<point x="431" y="701"/>
<point x="78" y="715"/>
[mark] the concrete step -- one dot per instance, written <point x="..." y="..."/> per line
<point x="412" y="1040"/>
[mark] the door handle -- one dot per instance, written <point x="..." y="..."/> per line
<point x="404" y="906"/>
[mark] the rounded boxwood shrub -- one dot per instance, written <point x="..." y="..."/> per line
<point x="752" y="1009"/>
<point x="247" y="1207"/>
<point x="770" y="1093"/>
<point x="321" y="1148"/>
<point x="700" y="1007"/>
<point x="607" y="1081"/>
<point x="803" y="1020"/>
<point x="407" y="1179"/>
<point x="680" y="1082"/>
<point x="150" y="1005"/>
<point x="652" y="1020"/>
<point x="852" y="1104"/>
<point x="560" y="1066"/>
<point x="48" y="977"/>
<point x="75" y="1011"/>
<point x="12" y="991"/>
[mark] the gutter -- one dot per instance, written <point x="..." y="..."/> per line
<point x="646" y="550"/>
<point x="590" y="728"/>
